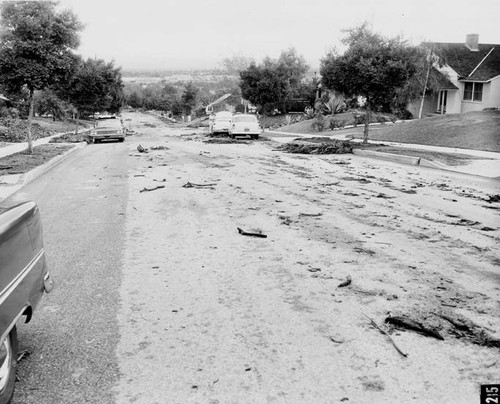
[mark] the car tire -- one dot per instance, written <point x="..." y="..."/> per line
<point x="96" y="141"/>
<point x="121" y="140"/>
<point x="8" y="366"/>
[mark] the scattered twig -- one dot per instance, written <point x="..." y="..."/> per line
<point x="246" y="233"/>
<point x="455" y="322"/>
<point x="5" y="167"/>
<point x="139" y="175"/>
<point x="311" y="214"/>
<point x="163" y="180"/>
<point x="347" y="282"/>
<point x="193" y="185"/>
<point x="448" y="304"/>
<point x="414" y="326"/>
<point x="152" y="189"/>
<point x="335" y="340"/>
<point x="387" y="335"/>
<point x="22" y="355"/>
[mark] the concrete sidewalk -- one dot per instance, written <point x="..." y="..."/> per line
<point x="19" y="147"/>
<point x="12" y="183"/>
<point x="484" y="163"/>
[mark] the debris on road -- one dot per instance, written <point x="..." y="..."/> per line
<point x="493" y="198"/>
<point x="334" y="146"/>
<point x="141" y="149"/>
<point x="347" y="282"/>
<point x="251" y="234"/>
<point x="193" y="185"/>
<point x="152" y="189"/>
<point x="158" y="148"/>
<point x="337" y="341"/>
<point x="409" y="324"/>
<point x="387" y="335"/>
<point x="22" y="355"/>
<point x="312" y="269"/>
<point x="224" y="140"/>
<point x="311" y="214"/>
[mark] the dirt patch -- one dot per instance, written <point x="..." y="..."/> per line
<point x="22" y="162"/>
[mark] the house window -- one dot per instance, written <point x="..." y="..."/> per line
<point x="473" y="91"/>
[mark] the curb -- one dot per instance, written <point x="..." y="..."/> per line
<point x="30" y="176"/>
<point x="397" y="158"/>
<point x="414" y="161"/>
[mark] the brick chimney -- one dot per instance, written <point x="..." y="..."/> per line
<point x="472" y="42"/>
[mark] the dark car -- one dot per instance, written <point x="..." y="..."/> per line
<point x="24" y="278"/>
<point x="108" y="129"/>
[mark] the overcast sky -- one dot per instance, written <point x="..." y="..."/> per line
<point x="198" y="34"/>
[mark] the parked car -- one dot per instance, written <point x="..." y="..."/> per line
<point x="245" y="125"/>
<point x="24" y="278"/>
<point x="108" y="129"/>
<point x="219" y="123"/>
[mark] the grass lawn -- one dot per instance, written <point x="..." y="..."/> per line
<point x="473" y="130"/>
<point x="20" y="163"/>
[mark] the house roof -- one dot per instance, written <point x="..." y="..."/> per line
<point x="480" y="65"/>
<point x="489" y="68"/>
<point x="442" y="81"/>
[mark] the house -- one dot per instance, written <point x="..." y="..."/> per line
<point x="468" y="78"/>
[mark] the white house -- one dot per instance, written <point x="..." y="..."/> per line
<point x="469" y="79"/>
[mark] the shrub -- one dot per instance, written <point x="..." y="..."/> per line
<point x="309" y="113"/>
<point x="404" y="114"/>
<point x="358" y="119"/>
<point x="336" y="123"/>
<point x="319" y="123"/>
<point x="381" y="118"/>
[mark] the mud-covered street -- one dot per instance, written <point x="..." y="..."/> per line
<point x="376" y="282"/>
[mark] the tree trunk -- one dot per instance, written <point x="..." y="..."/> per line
<point x="367" y="122"/>
<point x="75" y="117"/>
<point x="425" y="85"/>
<point x="30" y="120"/>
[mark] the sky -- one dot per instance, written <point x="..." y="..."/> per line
<point x="199" y="34"/>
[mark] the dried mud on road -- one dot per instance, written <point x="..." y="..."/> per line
<point x="376" y="282"/>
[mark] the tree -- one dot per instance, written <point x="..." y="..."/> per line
<point x="189" y="98"/>
<point x="36" y="43"/>
<point x="373" y="67"/>
<point x="274" y="84"/>
<point x="96" y="86"/>
<point x="47" y="102"/>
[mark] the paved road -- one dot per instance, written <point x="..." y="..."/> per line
<point x="72" y="337"/>
<point x="158" y="299"/>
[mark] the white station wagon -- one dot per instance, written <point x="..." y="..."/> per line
<point x="244" y="125"/>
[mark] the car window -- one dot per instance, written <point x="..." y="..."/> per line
<point x="245" y="118"/>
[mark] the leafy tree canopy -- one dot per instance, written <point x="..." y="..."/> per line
<point x="274" y="83"/>
<point x="96" y="86"/>
<point x="36" y="44"/>
<point x="373" y="66"/>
